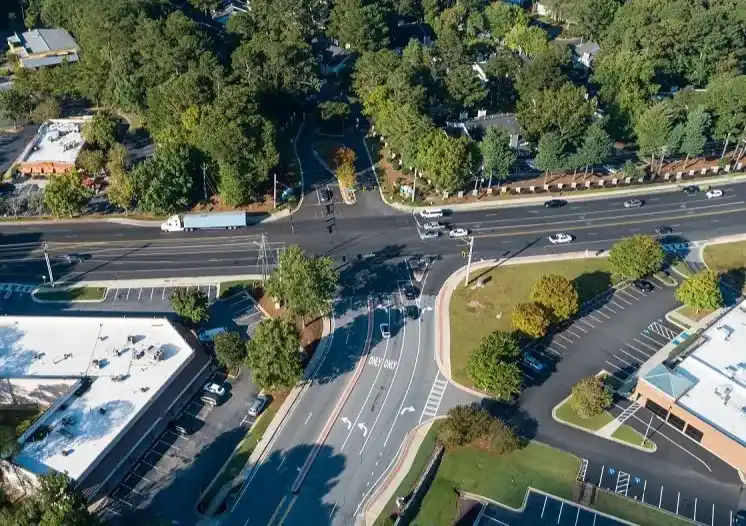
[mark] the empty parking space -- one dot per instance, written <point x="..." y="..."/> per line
<point x="242" y="309"/>
<point x="153" y="294"/>
<point x="656" y="494"/>
<point x="543" y="509"/>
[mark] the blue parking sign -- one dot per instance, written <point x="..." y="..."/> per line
<point x="637" y="480"/>
<point x="612" y="471"/>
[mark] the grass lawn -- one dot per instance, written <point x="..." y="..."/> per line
<point x="631" y="436"/>
<point x="71" y="294"/>
<point x="692" y="314"/>
<point x="475" y="313"/>
<point x="636" y="513"/>
<point x="729" y="259"/>
<point x="229" y="288"/>
<point x="566" y="413"/>
<point x="682" y="268"/>
<point x="413" y="475"/>
<point x="246" y="447"/>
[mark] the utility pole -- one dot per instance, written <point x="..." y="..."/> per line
<point x="263" y="257"/>
<point x="49" y="265"/>
<point x="414" y="185"/>
<point x="274" y="193"/>
<point x="468" y="264"/>
<point x="204" y="179"/>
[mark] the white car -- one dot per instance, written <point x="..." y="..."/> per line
<point x="560" y="239"/>
<point x="458" y="232"/>
<point x="714" y="193"/>
<point x="385" y="332"/>
<point x="633" y="203"/>
<point x="214" y="389"/>
<point x="433" y="225"/>
<point x="429" y="234"/>
<point x="431" y="213"/>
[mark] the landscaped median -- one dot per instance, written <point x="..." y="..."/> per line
<point x="72" y="294"/>
<point x="729" y="260"/>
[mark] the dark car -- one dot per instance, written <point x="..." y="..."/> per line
<point x="554" y="203"/>
<point x="325" y="195"/>
<point x="76" y="258"/>
<point x="643" y="285"/>
<point x="663" y="230"/>
<point x="691" y="189"/>
<point x="409" y="293"/>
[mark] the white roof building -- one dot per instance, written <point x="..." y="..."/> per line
<point x="96" y="376"/>
<point x="43" y="47"/>
<point x="55" y="147"/>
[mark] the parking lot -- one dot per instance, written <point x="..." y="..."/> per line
<point x="540" y="509"/>
<point x="656" y="494"/>
<point x="152" y="294"/>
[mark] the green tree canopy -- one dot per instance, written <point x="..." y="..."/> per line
<point x="91" y="161"/>
<point x="653" y="129"/>
<point x="446" y="160"/>
<point x="48" y="108"/>
<point x="564" y="111"/>
<point x="230" y="350"/>
<point x="695" y="133"/>
<point x="701" y="291"/>
<point x="273" y="354"/>
<point x="465" y="424"/>
<point x="465" y="89"/>
<point x="190" y="305"/>
<point x="15" y="104"/>
<point x="360" y="24"/>
<point x="497" y="155"/>
<point x="531" y="319"/>
<point x="551" y="156"/>
<point x="726" y="96"/>
<point x="164" y="183"/>
<point x="101" y="130"/>
<point x="527" y="40"/>
<point x="591" y="397"/>
<point x="65" y="194"/>
<point x="558" y="294"/>
<point x="502" y="16"/>
<point x="636" y="256"/>
<point x="596" y="148"/>
<point x="304" y="284"/>
<point x="493" y="365"/>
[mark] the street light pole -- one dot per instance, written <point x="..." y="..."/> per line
<point x="414" y="185"/>
<point x="468" y="264"/>
<point x="274" y="193"/>
<point x="49" y="265"/>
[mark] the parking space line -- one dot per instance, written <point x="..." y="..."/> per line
<point x="589" y="315"/>
<point x="628" y="291"/>
<point x="598" y="311"/>
<point x="128" y="294"/>
<point x="646" y="345"/>
<point x="588" y="324"/>
<point x="678" y="498"/>
<point x="625" y="361"/>
<point x="644" y="487"/>
<point x="614" y="366"/>
<point x="576" y="326"/>
<point x="558" y="343"/>
<point x="116" y="294"/>
<point x="564" y="338"/>
<point x="608" y="308"/>
<point x="163" y="294"/>
<point x="695" y="509"/>
<point x="628" y="354"/>
<point x="131" y="489"/>
<point x="660" y="500"/>
<point x="573" y="333"/>
<point x="615" y="303"/>
<point x="619" y="297"/>
<point x="139" y="294"/>
<point x="557" y="353"/>
<point x="122" y="501"/>
<point x="150" y="465"/>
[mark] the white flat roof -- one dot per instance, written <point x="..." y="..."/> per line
<point x="718" y="370"/>
<point x="56" y="350"/>
<point x="58" y="140"/>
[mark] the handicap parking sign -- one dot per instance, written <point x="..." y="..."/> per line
<point x="637" y="480"/>
<point x="612" y="471"/>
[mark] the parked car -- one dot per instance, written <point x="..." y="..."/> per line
<point x="433" y="225"/>
<point x="643" y="285"/>
<point x="533" y="362"/>
<point x="214" y="388"/>
<point x="385" y="332"/>
<point x="429" y="234"/>
<point x="325" y="195"/>
<point x="633" y="203"/>
<point x="431" y="213"/>
<point x="714" y="193"/>
<point x="554" y="203"/>
<point x="258" y="405"/>
<point x="211" y="399"/>
<point x="409" y="293"/>
<point x="663" y="230"/>
<point x="612" y="168"/>
<point x="458" y="232"/>
<point x="560" y="239"/>
<point x="691" y="189"/>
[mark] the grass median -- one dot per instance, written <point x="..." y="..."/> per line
<point x="71" y="294"/>
<point x="477" y="312"/>
<point x="230" y="288"/>
<point x="728" y="259"/>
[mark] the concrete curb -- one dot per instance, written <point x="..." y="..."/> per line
<point x="65" y="288"/>
<point x="718" y="241"/>
<point x="596" y="433"/>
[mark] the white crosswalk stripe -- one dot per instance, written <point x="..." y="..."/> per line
<point x="10" y="288"/>
<point x="434" y="398"/>
<point x="662" y="330"/>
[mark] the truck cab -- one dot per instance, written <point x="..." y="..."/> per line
<point x="172" y="224"/>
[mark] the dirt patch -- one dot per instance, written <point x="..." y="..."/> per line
<point x="474" y="305"/>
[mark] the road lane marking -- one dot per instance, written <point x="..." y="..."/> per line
<point x="307" y="419"/>
<point x="435" y="397"/>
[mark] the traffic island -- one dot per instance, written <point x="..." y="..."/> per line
<point x="73" y="294"/>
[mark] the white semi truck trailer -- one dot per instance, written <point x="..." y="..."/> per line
<point x="204" y="221"/>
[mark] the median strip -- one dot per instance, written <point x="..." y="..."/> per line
<point x="69" y="294"/>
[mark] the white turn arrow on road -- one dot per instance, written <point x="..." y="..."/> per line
<point x="407" y="410"/>
<point x="363" y="429"/>
<point x="346" y="420"/>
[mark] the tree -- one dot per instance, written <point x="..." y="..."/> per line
<point x="590" y="18"/>
<point x="359" y="25"/>
<point x="91" y="161"/>
<point x="190" y="305"/>
<point x="464" y="87"/>
<point x="344" y="161"/>
<point x="273" y="355"/>
<point x="464" y="424"/>
<point x="695" y="133"/>
<point x="48" y="108"/>
<point x="304" y="284"/>
<point x="591" y="397"/>
<point x="701" y="291"/>
<point x="164" y="183"/>
<point x="596" y="148"/>
<point x="334" y="111"/>
<point x="207" y="6"/>
<point x="101" y="130"/>
<point x="65" y="194"/>
<point x="636" y="256"/>
<point x="653" y="129"/>
<point x="493" y="365"/>
<point x="551" y="155"/>
<point x="446" y="160"/>
<point x="531" y="319"/>
<point x="497" y="155"/>
<point x="558" y="294"/>
<point x="9" y="446"/>
<point x="503" y="438"/>
<point x="59" y="503"/>
<point x="727" y="99"/>
<point x="548" y="70"/>
<point x="15" y="104"/>
<point x="565" y="111"/>
<point x="121" y="190"/>
<point x="527" y="40"/>
<point x="230" y="350"/>
<point x="502" y="16"/>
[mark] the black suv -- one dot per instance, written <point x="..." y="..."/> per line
<point x="643" y="285"/>
<point x="691" y="189"/>
<point x="554" y="203"/>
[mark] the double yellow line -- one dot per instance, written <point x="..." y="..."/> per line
<point x="279" y="509"/>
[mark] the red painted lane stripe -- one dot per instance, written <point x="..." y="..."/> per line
<point x="338" y="408"/>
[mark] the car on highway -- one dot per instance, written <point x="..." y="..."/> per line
<point x="533" y="362"/>
<point x="663" y="230"/>
<point x="216" y="389"/>
<point x="643" y="285"/>
<point x="431" y="213"/>
<point x="560" y="239"/>
<point x="554" y="203"/>
<point x="433" y="225"/>
<point x="258" y="405"/>
<point x="714" y="193"/>
<point x="429" y="234"/>
<point x="76" y="258"/>
<point x="458" y="232"/>
<point x="633" y="203"/>
<point x="385" y="331"/>
<point x="691" y="189"/>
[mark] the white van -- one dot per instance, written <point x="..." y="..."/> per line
<point x="207" y="336"/>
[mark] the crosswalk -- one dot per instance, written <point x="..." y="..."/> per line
<point x="628" y="412"/>
<point x="434" y="398"/>
<point x="10" y="288"/>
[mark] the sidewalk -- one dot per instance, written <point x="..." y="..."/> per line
<point x="156" y="282"/>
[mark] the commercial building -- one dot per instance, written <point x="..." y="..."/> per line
<point x="43" y="47"/>
<point x="55" y="147"/>
<point x="103" y="386"/>
<point x="702" y="393"/>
